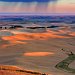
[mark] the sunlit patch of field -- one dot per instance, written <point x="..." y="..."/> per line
<point x="13" y="70"/>
<point x="22" y="38"/>
<point x="38" y="54"/>
<point x="72" y="34"/>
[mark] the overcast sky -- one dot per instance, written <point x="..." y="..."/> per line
<point x="38" y="6"/>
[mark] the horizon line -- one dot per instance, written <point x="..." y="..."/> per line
<point x="38" y="14"/>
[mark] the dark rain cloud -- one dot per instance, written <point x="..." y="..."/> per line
<point x="29" y="1"/>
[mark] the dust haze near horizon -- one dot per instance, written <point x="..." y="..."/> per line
<point x="38" y="7"/>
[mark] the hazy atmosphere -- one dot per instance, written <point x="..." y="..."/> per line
<point x="44" y="7"/>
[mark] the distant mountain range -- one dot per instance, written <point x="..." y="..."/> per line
<point x="35" y="19"/>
